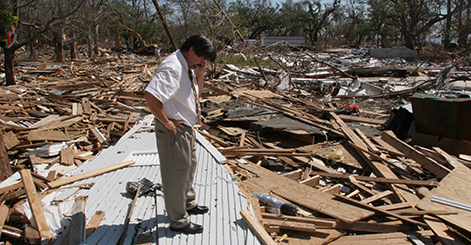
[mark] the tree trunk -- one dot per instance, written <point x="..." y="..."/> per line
<point x="59" y="46"/>
<point x="9" y="66"/>
<point x="5" y="169"/>
<point x="90" y="47"/>
<point x="72" y="48"/>
<point x="446" y="36"/>
<point x="409" y="40"/>
<point x="95" y="40"/>
<point x="32" y="51"/>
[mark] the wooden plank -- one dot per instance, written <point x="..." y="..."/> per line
<point x="242" y="139"/>
<point x="62" y="124"/>
<point x="382" y="211"/>
<point x="354" y="182"/>
<point x="77" y="224"/>
<point x="439" y="170"/>
<point x="47" y="120"/>
<point x="379" y="168"/>
<point x="449" y="158"/>
<point x="455" y="186"/>
<point x="35" y="204"/>
<point x="349" y="118"/>
<point x="128" y="218"/>
<point x="318" y="222"/>
<point x="10" y="140"/>
<point x="252" y="200"/>
<point x="291" y="225"/>
<point x="349" y="132"/>
<point x="257" y="228"/>
<point x="65" y="181"/>
<point x="379" y="180"/>
<point x="334" y="189"/>
<point x="386" y="238"/>
<point x="395" y="206"/>
<point x="377" y="196"/>
<point x="31" y="235"/>
<point x="98" y="135"/>
<point x="3" y="216"/>
<point x="67" y="156"/>
<point x="307" y="196"/>
<point x="294" y="175"/>
<point x="445" y="235"/>
<point x="94" y="222"/>
<point x="313" y="181"/>
<point x="51" y="135"/>
<point x="382" y="145"/>
<point x="365" y="139"/>
<point x="10" y="187"/>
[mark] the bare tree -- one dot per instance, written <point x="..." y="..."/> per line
<point x="38" y="24"/>
<point x="318" y="17"/>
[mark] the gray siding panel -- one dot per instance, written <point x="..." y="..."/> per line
<point x="214" y="188"/>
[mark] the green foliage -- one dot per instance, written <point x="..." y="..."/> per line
<point x="7" y="20"/>
<point x="240" y="61"/>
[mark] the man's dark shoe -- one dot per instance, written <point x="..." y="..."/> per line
<point x="198" y="210"/>
<point x="191" y="228"/>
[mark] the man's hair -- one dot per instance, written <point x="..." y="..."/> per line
<point x="202" y="45"/>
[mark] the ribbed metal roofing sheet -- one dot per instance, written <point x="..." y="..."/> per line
<point x="215" y="188"/>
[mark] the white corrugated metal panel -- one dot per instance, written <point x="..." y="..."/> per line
<point x="296" y="41"/>
<point x="214" y="186"/>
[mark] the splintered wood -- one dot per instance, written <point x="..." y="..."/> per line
<point x="331" y="159"/>
<point x="363" y="183"/>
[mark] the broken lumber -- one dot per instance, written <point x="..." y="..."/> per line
<point x="35" y="204"/>
<point x="257" y="228"/>
<point x="65" y="181"/>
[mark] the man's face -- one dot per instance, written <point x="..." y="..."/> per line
<point x="195" y="60"/>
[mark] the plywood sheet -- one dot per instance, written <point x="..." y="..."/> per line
<point x="455" y="187"/>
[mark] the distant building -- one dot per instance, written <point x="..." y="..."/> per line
<point x="395" y="52"/>
<point x="296" y="41"/>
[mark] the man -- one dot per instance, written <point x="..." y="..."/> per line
<point x="172" y="96"/>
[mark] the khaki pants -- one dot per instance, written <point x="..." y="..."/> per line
<point x="177" y="154"/>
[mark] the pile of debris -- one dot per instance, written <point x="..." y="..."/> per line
<point x="62" y="115"/>
<point x="329" y="135"/>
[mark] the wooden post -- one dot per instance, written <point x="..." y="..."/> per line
<point x="35" y="204"/>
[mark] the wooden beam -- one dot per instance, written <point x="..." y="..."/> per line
<point x="365" y="139"/>
<point x="441" y="230"/>
<point x="35" y="204"/>
<point x="94" y="222"/>
<point x="10" y="187"/>
<point x="294" y="175"/>
<point x="449" y="158"/>
<point x="65" y="181"/>
<point x="439" y="170"/>
<point x="379" y="180"/>
<point x="128" y="218"/>
<point x="323" y="223"/>
<point x="377" y="196"/>
<point x="354" y="182"/>
<point x="313" y="181"/>
<point x="291" y="225"/>
<point x="77" y="224"/>
<point x="257" y="228"/>
<point x="307" y="196"/>
<point x="364" y="205"/>
<point x="3" y="216"/>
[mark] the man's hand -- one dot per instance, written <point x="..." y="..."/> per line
<point x="174" y="125"/>
<point x="156" y="107"/>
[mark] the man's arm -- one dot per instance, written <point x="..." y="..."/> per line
<point x="200" y="76"/>
<point x="156" y="107"/>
